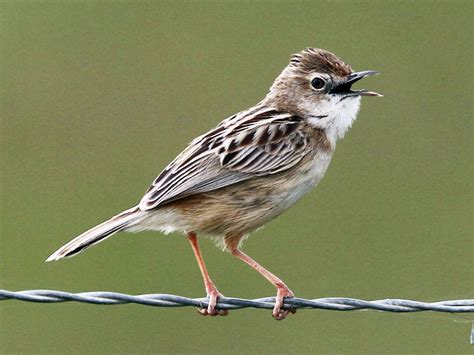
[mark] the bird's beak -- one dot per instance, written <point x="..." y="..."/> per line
<point x="343" y="88"/>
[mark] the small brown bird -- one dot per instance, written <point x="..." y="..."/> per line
<point x="249" y="169"/>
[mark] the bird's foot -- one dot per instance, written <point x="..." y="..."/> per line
<point x="212" y="295"/>
<point x="278" y="312"/>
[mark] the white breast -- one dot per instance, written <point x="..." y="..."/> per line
<point x="306" y="181"/>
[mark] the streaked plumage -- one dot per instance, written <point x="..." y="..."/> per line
<point x="246" y="145"/>
<point x="250" y="168"/>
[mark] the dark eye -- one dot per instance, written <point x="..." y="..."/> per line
<point x="318" y="83"/>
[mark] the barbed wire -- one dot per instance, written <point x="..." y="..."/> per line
<point x="166" y="300"/>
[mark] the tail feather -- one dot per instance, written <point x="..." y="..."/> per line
<point x="98" y="233"/>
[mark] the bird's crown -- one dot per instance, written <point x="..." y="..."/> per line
<point x="320" y="61"/>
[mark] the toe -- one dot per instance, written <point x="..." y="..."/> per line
<point x="283" y="313"/>
<point x="202" y="311"/>
<point x="278" y="316"/>
<point x="278" y="312"/>
<point x="223" y="312"/>
<point x="211" y="309"/>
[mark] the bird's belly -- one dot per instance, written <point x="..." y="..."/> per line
<point x="291" y="190"/>
<point x="240" y="208"/>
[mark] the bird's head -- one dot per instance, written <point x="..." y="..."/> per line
<point x="317" y="85"/>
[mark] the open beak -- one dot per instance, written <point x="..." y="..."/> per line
<point x="344" y="88"/>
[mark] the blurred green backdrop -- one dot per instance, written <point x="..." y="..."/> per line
<point x="97" y="97"/>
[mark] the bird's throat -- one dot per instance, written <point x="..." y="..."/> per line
<point x="336" y="116"/>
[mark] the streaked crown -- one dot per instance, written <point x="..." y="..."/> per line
<point x="319" y="60"/>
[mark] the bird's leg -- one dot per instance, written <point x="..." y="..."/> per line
<point x="212" y="292"/>
<point x="282" y="290"/>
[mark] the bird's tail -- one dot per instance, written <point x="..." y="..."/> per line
<point x="98" y="233"/>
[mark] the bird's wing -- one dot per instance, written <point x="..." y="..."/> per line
<point x="249" y="144"/>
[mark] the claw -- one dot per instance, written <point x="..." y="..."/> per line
<point x="211" y="310"/>
<point x="279" y="313"/>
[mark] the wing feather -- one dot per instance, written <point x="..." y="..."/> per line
<point x="252" y="143"/>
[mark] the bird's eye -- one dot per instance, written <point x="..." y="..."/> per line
<point x="318" y="83"/>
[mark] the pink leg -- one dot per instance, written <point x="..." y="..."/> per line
<point x="212" y="292"/>
<point x="282" y="290"/>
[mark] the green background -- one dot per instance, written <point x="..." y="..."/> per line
<point x="97" y="97"/>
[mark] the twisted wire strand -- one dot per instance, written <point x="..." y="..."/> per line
<point x="165" y="300"/>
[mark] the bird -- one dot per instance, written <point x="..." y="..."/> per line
<point x="249" y="169"/>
